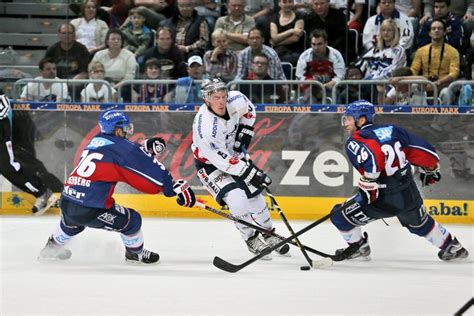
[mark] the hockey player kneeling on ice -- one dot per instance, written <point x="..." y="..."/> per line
<point x="222" y="127"/>
<point x="383" y="155"/>
<point x="87" y="201"/>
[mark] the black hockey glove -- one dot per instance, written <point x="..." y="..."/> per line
<point x="184" y="192"/>
<point x="256" y="177"/>
<point x="429" y="177"/>
<point x="155" y="145"/>
<point x="368" y="189"/>
<point x="243" y="137"/>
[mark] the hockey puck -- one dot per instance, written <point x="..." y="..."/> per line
<point x="305" y="268"/>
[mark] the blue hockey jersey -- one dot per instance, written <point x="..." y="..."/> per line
<point x="380" y="150"/>
<point x="109" y="159"/>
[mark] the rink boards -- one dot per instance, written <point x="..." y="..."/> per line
<point x="300" y="147"/>
<point x="298" y="208"/>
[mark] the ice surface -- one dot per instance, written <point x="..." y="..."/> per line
<point x="405" y="276"/>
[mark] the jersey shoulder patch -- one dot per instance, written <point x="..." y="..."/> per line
<point x="98" y="142"/>
<point x="384" y="134"/>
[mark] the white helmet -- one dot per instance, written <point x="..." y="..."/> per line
<point x="208" y="87"/>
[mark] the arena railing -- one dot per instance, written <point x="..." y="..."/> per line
<point x="74" y="87"/>
<point x="341" y="87"/>
<point x="456" y="86"/>
<point x="282" y="91"/>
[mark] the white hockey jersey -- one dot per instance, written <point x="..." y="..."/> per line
<point x="214" y="136"/>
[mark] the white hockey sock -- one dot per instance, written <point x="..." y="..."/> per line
<point x="59" y="236"/>
<point x="134" y="241"/>
<point x="238" y="205"/>
<point x="259" y="211"/>
<point x="352" y="236"/>
<point x="438" y="235"/>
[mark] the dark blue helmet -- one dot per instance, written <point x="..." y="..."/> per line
<point x="112" y="119"/>
<point x="360" y="108"/>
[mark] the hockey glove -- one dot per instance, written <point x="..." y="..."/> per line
<point x="429" y="177"/>
<point x="243" y="137"/>
<point x="155" y="145"/>
<point x="256" y="177"/>
<point x="368" y="189"/>
<point x="184" y="192"/>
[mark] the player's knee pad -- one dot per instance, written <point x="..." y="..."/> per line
<point x="340" y="221"/>
<point x="424" y="228"/>
<point x="134" y="224"/>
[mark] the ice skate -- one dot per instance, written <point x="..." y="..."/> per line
<point x="272" y="240"/>
<point x="362" y="253"/>
<point x="256" y="246"/>
<point x="54" y="251"/>
<point x="44" y="202"/>
<point x="453" y="251"/>
<point x="145" y="256"/>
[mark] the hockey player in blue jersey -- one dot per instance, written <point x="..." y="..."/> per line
<point x="384" y="156"/>
<point x="87" y="201"/>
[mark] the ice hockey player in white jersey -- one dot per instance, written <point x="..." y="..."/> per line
<point x="222" y="129"/>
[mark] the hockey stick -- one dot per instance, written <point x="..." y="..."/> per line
<point x="287" y="224"/>
<point x="260" y="229"/>
<point x="229" y="267"/>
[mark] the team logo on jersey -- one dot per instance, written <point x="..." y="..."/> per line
<point x="214" y="127"/>
<point x="234" y="160"/>
<point x="107" y="218"/>
<point x="384" y="134"/>
<point x="98" y="142"/>
<point x="353" y="147"/>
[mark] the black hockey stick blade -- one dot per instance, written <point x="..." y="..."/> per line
<point x="232" y="268"/>
<point x="229" y="267"/>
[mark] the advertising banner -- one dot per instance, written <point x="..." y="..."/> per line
<point x="302" y="152"/>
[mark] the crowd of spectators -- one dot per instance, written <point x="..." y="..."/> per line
<point x="156" y="39"/>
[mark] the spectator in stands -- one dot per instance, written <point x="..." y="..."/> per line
<point x="237" y="24"/>
<point x="334" y="23"/>
<point x="354" y="16"/>
<point x="70" y="56"/>
<point x="404" y="93"/>
<point x="255" y="41"/>
<point x="287" y="32"/>
<point x="386" y="56"/>
<point x="353" y="92"/>
<point x="262" y="93"/>
<point x="154" y="12"/>
<point x="190" y="30"/>
<point x="210" y="10"/>
<point x="322" y="63"/>
<point x="137" y="36"/>
<point x="97" y="92"/>
<point x="187" y="89"/>
<point x="45" y="91"/>
<point x="221" y="61"/>
<point x="463" y="9"/>
<point x="454" y="29"/>
<point x="388" y="11"/>
<point x="118" y="11"/>
<point x="119" y="63"/>
<point x="438" y="61"/>
<point x="172" y="65"/>
<point x="90" y="30"/>
<point x="153" y="92"/>
<point x="261" y="11"/>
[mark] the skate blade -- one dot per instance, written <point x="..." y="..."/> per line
<point x="51" y="201"/>
<point x="139" y="263"/>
